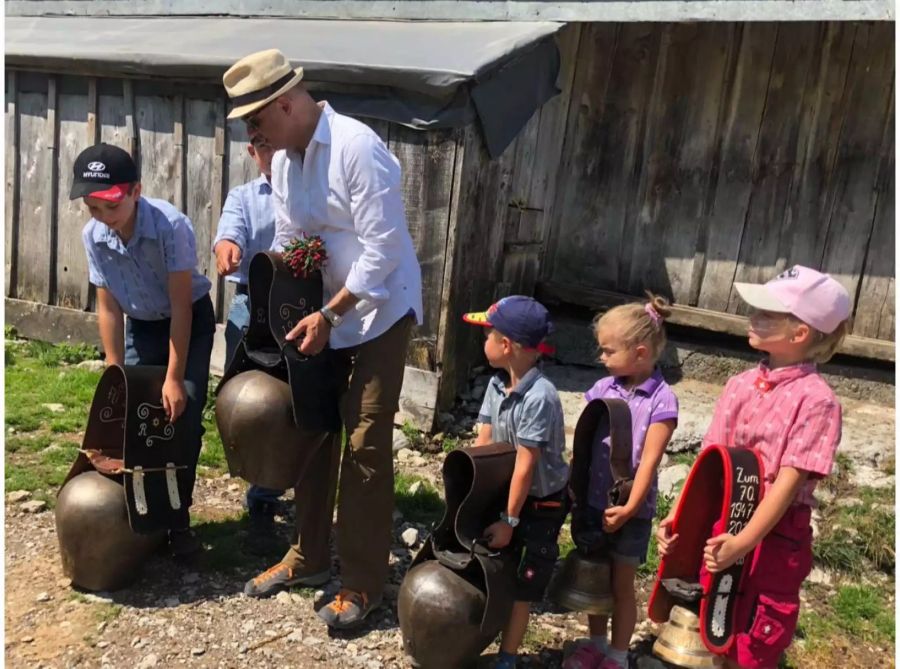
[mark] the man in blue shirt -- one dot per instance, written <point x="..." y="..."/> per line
<point x="142" y="257"/>
<point x="247" y="226"/>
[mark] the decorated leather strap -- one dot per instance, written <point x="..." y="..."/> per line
<point x="722" y="491"/>
<point x="599" y="419"/>
<point x="128" y="435"/>
<point x="278" y="301"/>
<point x="742" y="492"/>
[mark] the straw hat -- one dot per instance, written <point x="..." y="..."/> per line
<point x="257" y="79"/>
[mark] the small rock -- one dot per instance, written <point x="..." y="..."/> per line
<point x="671" y="477"/>
<point x="845" y="502"/>
<point x="148" y="661"/>
<point x="17" y="496"/>
<point x="401" y="441"/>
<point x="102" y="644"/>
<point x="63" y="582"/>
<point x="98" y="597"/>
<point x="404" y="454"/>
<point x="43" y="597"/>
<point x="418" y="461"/>
<point x="410" y="537"/>
<point x="296" y="599"/>
<point x="819" y="576"/>
<point x="197" y="651"/>
<point x="55" y="407"/>
<point x="34" y="506"/>
<point x="415" y="488"/>
<point x="295" y="637"/>
<point x="283" y="597"/>
<point x="27" y="639"/>
<point x="234" y="487"/>
<point x="92" y="365"/>
<point x="172" y="632"/>
<point x="311" y="641"/>
<point x="171" y="601"/>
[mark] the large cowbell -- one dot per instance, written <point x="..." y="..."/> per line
<point x="273" y="403"/>
<point x="457" y="594"/>
<point x="584" y="581"/>
<point x="122" y="491"/>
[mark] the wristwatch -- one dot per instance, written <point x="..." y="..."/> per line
<point x="333" y="319"/>
<point x="512" y="521"/>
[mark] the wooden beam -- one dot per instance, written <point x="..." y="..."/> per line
<point x="53" y="324"/>
<point x="553" y="292"/>
<point x="12" y="182"/>
<point x="418" y="397"/>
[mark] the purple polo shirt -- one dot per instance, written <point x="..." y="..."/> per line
<point x="651" y="402"/>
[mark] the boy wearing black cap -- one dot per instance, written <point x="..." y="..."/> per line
<point x="142" y="257"/>
<point x="521" y="406"/>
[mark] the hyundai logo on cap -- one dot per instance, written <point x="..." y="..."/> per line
<point x="100" y="168"/>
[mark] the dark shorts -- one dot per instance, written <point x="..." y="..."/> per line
<point x="536" y="543"/>
<point x="628" y="545"/>
<point x="771" y="601"/>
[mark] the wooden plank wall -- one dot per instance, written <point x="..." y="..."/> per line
<point x="190" y="156"/>
<point x="696" y="155"/>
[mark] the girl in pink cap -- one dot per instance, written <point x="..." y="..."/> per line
<point x="785" y="410"/>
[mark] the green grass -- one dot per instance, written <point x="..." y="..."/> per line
<point x="425" y="506"/>
<point x="858" y="537"/>
<point x="450" y="444"/>
<point x="854" y="616"/>
<point x="412" y="433"/>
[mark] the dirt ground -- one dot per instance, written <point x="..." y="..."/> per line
<point x="178" y="615"/>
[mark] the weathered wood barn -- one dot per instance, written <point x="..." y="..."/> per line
<point x="677" y="156"/>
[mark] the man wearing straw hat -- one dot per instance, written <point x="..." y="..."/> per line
<point x="332" y="176"/>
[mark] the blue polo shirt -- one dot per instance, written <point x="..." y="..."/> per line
<point x="530" y="416"/>
<point x="248" y="220"/>
<point x="137" y="273"/>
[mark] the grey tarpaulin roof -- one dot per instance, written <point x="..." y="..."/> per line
<point x="426" y="75"/>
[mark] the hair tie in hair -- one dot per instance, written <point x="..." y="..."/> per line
<point x="653" y="314"/>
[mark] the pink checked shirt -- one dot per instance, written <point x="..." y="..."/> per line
<point x="789" y="415"/>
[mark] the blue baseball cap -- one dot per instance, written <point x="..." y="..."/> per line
<point x="523" y="319"/>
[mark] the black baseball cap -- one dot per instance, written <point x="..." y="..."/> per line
<point x="103" y="171"/>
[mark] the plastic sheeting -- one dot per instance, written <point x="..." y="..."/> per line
<point x="424" y="75"/>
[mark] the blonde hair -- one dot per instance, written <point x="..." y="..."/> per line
<point x="637" y="325"/>
<point x="825" y="345"/>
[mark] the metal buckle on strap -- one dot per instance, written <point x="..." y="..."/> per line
<point x="172" y="486"/>
<point x="140" y="496"/>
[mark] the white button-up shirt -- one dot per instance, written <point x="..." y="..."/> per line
<point x="347" y="190"/>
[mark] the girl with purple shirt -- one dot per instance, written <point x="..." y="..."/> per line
<point x="631" y="337"/>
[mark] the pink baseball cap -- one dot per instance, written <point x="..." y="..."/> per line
<point x="813" y="297"/>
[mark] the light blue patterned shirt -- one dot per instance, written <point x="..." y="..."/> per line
<point x="137" y="273"/>
<point x="530" y="416"/>
<point x="248" y="220"/>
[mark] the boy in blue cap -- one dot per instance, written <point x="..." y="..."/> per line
<point x="142" y="257"/>
<point x="521" y="406"/>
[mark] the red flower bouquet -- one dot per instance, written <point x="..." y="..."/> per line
<point x="305" y="255"/>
